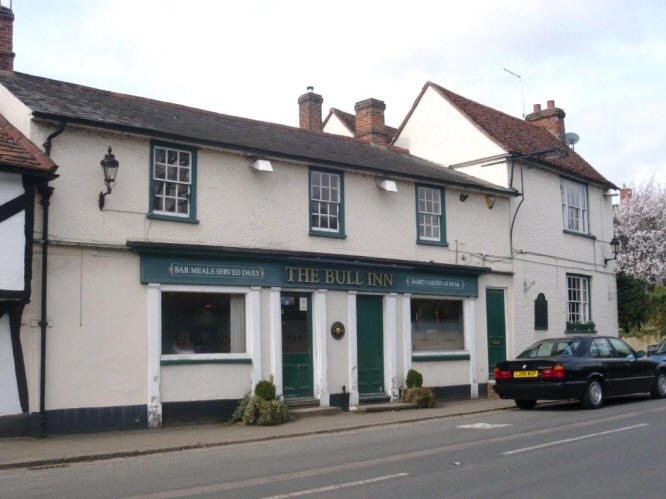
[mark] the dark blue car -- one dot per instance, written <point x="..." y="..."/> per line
<point x="658" y="352"/>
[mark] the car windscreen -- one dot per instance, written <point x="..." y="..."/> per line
<point x="553" y="348"/>
<point x="662" y="348"/>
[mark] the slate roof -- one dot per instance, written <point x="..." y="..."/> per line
<point x="349" y="121"/>
<point x="518" y="136"/>
<point x="55" y="100"/>
<point x="17" y="152"/>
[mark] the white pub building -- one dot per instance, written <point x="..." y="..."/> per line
<point x="331" y="258"/>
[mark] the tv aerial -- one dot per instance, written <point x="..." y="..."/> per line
<point x="571" y="139"/>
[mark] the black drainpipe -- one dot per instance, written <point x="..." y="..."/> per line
<point x="45" y="192"/>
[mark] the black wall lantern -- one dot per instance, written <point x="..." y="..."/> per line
<point x="110" y="166"/>
<point x="615" y="244"/>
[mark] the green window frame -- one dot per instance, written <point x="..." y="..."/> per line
<point x="430" y="215"/>
<point x="326" y="201"/>
<point x="173" y="182"/>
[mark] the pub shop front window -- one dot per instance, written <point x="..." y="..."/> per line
<point x="437" y="325"/>
<point x="203" y="323"/>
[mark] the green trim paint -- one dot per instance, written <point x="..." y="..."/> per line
<point x="442" y="219"/>
<point x="440" y="357"/>
<point x="192" y="218"/>
<point x="340" y="233"/>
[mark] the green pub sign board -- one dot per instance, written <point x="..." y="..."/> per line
<point x="231" y="272"/>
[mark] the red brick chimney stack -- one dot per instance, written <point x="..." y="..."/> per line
<point x="551" y="118"/>
<point x="309" y="110"/>
<point x="370" y="121"/>
<point x="625" y="195"/>
<point x="6" y="39"/>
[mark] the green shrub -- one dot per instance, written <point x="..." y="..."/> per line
<point x="420" y="395"/>
<point x="252" y="410"/>
<point x="272" y="412"/>
<point x="240" y="410"/>
<point x="258" y="411"/>
<point x="265" y="389"/>
<point x="414" y="379"/>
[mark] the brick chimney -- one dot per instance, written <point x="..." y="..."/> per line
<point x="625" y="195"/>
<point x="6" y="39"/>
<point x="309" y="110"/>
<point x="370" y="121"/>
<point x="551" y="118"/>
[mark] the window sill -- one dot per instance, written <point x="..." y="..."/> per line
<point x="191" y="359"/>
<point x="431" y="243"/>
<point x="336" y="235"/>
<point x="579" y="234"/>
<point x="155" y="216"/>
<point x="580" y="331"/>
<point x="440" y="357"/>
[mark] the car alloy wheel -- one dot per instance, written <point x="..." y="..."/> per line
<point x="594" y="395"/>
<point x="659" y="390"/>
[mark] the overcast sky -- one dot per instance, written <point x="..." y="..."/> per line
<point x="603" y="62"/>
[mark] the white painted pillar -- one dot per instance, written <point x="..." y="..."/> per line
<point x="275" y="324"/>
<point x="390" y="333"/>
<point x="319" y="347"/>
<point x="469" y="326"/>
<point x="405" y="304"/>
<point x="352" y="382"/>
<point x="154" y="355"/>
<point x="253" y="331"/>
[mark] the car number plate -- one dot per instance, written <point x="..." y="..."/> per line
<point x="525" y="374"/>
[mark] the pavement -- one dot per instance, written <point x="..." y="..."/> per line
<point x="30" y="452"/>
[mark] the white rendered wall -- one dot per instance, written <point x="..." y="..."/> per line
<point x="12" y="236"/>
<point x="336" y="126"/>
<point x="184" y="383"/>
<point x="496" y="173"/>
<point x="437" y="131"/>
<point x="239" y="207"/>
<point x="97" y="352"/>
<point x="17" y="113"/>
<point x="9" y="399"/>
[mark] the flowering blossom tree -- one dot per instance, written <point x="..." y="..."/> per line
<point x="640" y="225"/>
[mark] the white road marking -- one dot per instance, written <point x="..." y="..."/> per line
<point x="328" y="488"/>
<point x="573" y="439"/>
<point x="483" y="426"/>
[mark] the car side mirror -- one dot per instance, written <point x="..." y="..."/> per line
<point x="640" y="354"/>
<point x="652" y="349"/>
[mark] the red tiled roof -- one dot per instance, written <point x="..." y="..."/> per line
<point x="17" y="151"/>
<point x="349" y="121"/>
<point x="518" y="136"/>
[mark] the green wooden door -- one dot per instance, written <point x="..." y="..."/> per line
<point x="296" y="345"/>
<point x="495" y="321"/>
<point x="370" y="344"/>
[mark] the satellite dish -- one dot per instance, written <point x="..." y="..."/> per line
<point x="571" y="139"/>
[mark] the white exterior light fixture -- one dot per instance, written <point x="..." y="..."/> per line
<point x="261" y="165"/>
<point x="387" y="185"/>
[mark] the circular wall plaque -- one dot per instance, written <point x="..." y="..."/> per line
<point x="337" y="330"/>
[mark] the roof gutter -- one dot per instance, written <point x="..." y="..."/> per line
<point x="262" y="152"/>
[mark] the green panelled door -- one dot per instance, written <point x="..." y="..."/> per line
<point x="495" y="321"/>
<point x="296" y="345"/>
<point x="370" y="344"/>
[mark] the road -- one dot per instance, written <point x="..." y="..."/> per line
<point x="557" y="451"/>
